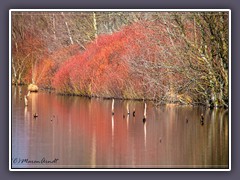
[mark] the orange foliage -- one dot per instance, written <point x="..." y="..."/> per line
<point x="25" y="52"/>
<point x="47" y="66"/>
<point x="45" y="72"/>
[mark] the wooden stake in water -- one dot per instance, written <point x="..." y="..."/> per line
<point x="145" y="113"/>
<point x="112" y="106"/>
<point x="25" y="100"/>
<point x="128" y="109"/>
<point x="134" y="112"/>
<point x="145" y="110"/>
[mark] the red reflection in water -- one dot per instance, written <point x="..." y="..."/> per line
<point x="82" y="132"/>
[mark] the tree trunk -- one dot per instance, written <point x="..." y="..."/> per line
<point x="95" y="25"/>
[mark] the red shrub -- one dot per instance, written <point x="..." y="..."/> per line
<point x="105" y="67"/>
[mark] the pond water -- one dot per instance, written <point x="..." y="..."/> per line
<point x="77" y="132"/>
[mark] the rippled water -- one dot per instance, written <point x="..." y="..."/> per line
<point x="77" y="132"/>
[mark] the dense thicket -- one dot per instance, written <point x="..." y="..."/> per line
<point x="166" y="57"/>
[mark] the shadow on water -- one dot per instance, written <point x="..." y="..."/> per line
<point x="82" y="132"/>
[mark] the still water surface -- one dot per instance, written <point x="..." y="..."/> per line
<point x="77" y="132"/>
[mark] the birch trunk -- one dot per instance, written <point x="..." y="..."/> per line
<point x="95" y="25"/>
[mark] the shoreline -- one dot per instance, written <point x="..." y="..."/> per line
<point x="154" y="102"/>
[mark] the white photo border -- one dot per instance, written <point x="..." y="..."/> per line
<point x="115" y="10"/>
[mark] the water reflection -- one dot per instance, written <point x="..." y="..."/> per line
<point x="93" y="155"/>
<point x="82" y="133"/>
<point x="145" y="134"/>
<point x="127" y="122"/>
<point x="112" y="130"/>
